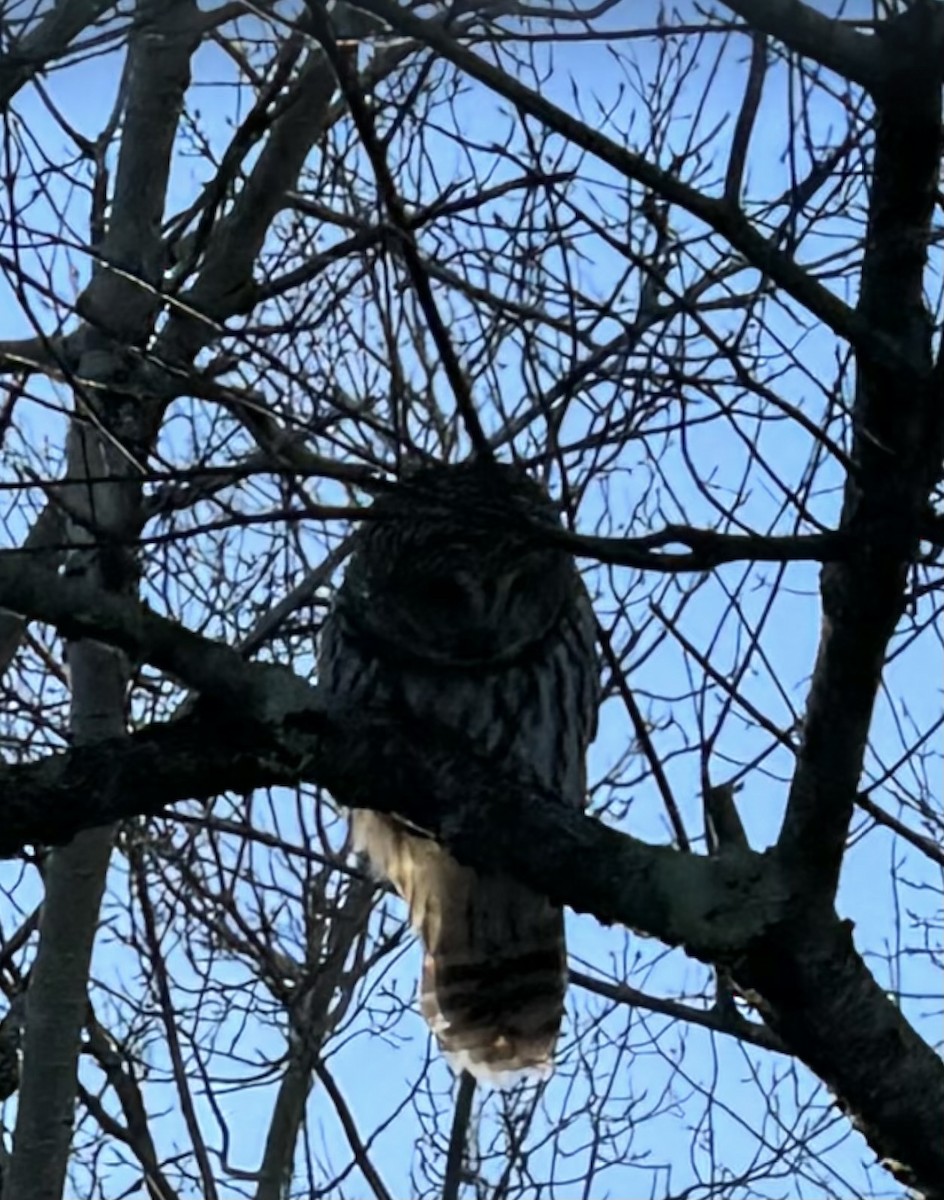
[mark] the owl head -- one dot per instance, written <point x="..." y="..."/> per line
<point x="450" y="568"/>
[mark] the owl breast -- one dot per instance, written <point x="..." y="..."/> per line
<point x="536" y="709"/>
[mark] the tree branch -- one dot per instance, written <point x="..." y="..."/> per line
<point x="724" y="219"/>
<point x="829" y="42"/>
<point x="898" y="438"/>
<point x="234" y="241"/>
<point x="45" y="538"/>
<point x="46" y="42"/>
<point x="392" y="765"/>
<point x="820" y="998"/>
<point x="398" y="216"/>
<point x="706" y="548"/>
<point x="260" y="724"/>
<point x="744" y="126"/>
<point x="813" y="988"/>
<point x="734" y="1026"/>
<point x="78" y="609"/>
<point x="123" y="295"/>
<point x="264" y="726"/>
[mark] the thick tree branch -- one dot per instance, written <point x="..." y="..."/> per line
<point x="123" y="295"/>
<point x="109" y="440"/>
<point x="814" y="988"/>
<point x="829" y="42"/>
<point x="264" y="726"/>
<point x="78" y="610"/>
<point x="898" y="433"/>
<point x="820" y="997"/>
<point x="713" y="906"/>
<point x="45" y="539"/>
<point x="275" y="728"/>
<point x="50" y="356"/>
<point x="47" y="41"/>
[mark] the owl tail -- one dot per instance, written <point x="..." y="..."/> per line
<point x="495" y="965"/>
<point x="494" y="974"/>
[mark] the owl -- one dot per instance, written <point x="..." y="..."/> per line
<point x="453" y="611"/>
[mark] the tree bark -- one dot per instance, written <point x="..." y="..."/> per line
<point x="108" y="440"/>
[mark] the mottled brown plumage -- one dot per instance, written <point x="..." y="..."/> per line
<point x="454" y="611"/>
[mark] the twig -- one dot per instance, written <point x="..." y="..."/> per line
<point x="399" y="219"/>
<point x="456" y="1155"/>
<point x="746" y="119"/>
<point x="707" y="1018"/>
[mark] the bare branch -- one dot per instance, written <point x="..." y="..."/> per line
<point x="746" y="118"/>
<point x="706" y="547"/>
<point x="716" y="214"/>
<point x="706" y="1018"/>
<point x="734" y="909"/>
<point x="48" y="41"/>
<point x="236" y="239"/>
<point x="45" y="540"/>
<point x="458" y="1137"/>
<point x="832" y="43"/>
<point x="393" y="203"/>
<point x="898" y="443"/>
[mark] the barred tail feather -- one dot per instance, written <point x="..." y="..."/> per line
<point x="495" y="967"/>
<point x="498" y="1020"/>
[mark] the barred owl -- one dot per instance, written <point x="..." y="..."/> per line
<point x="452" y="611"/>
